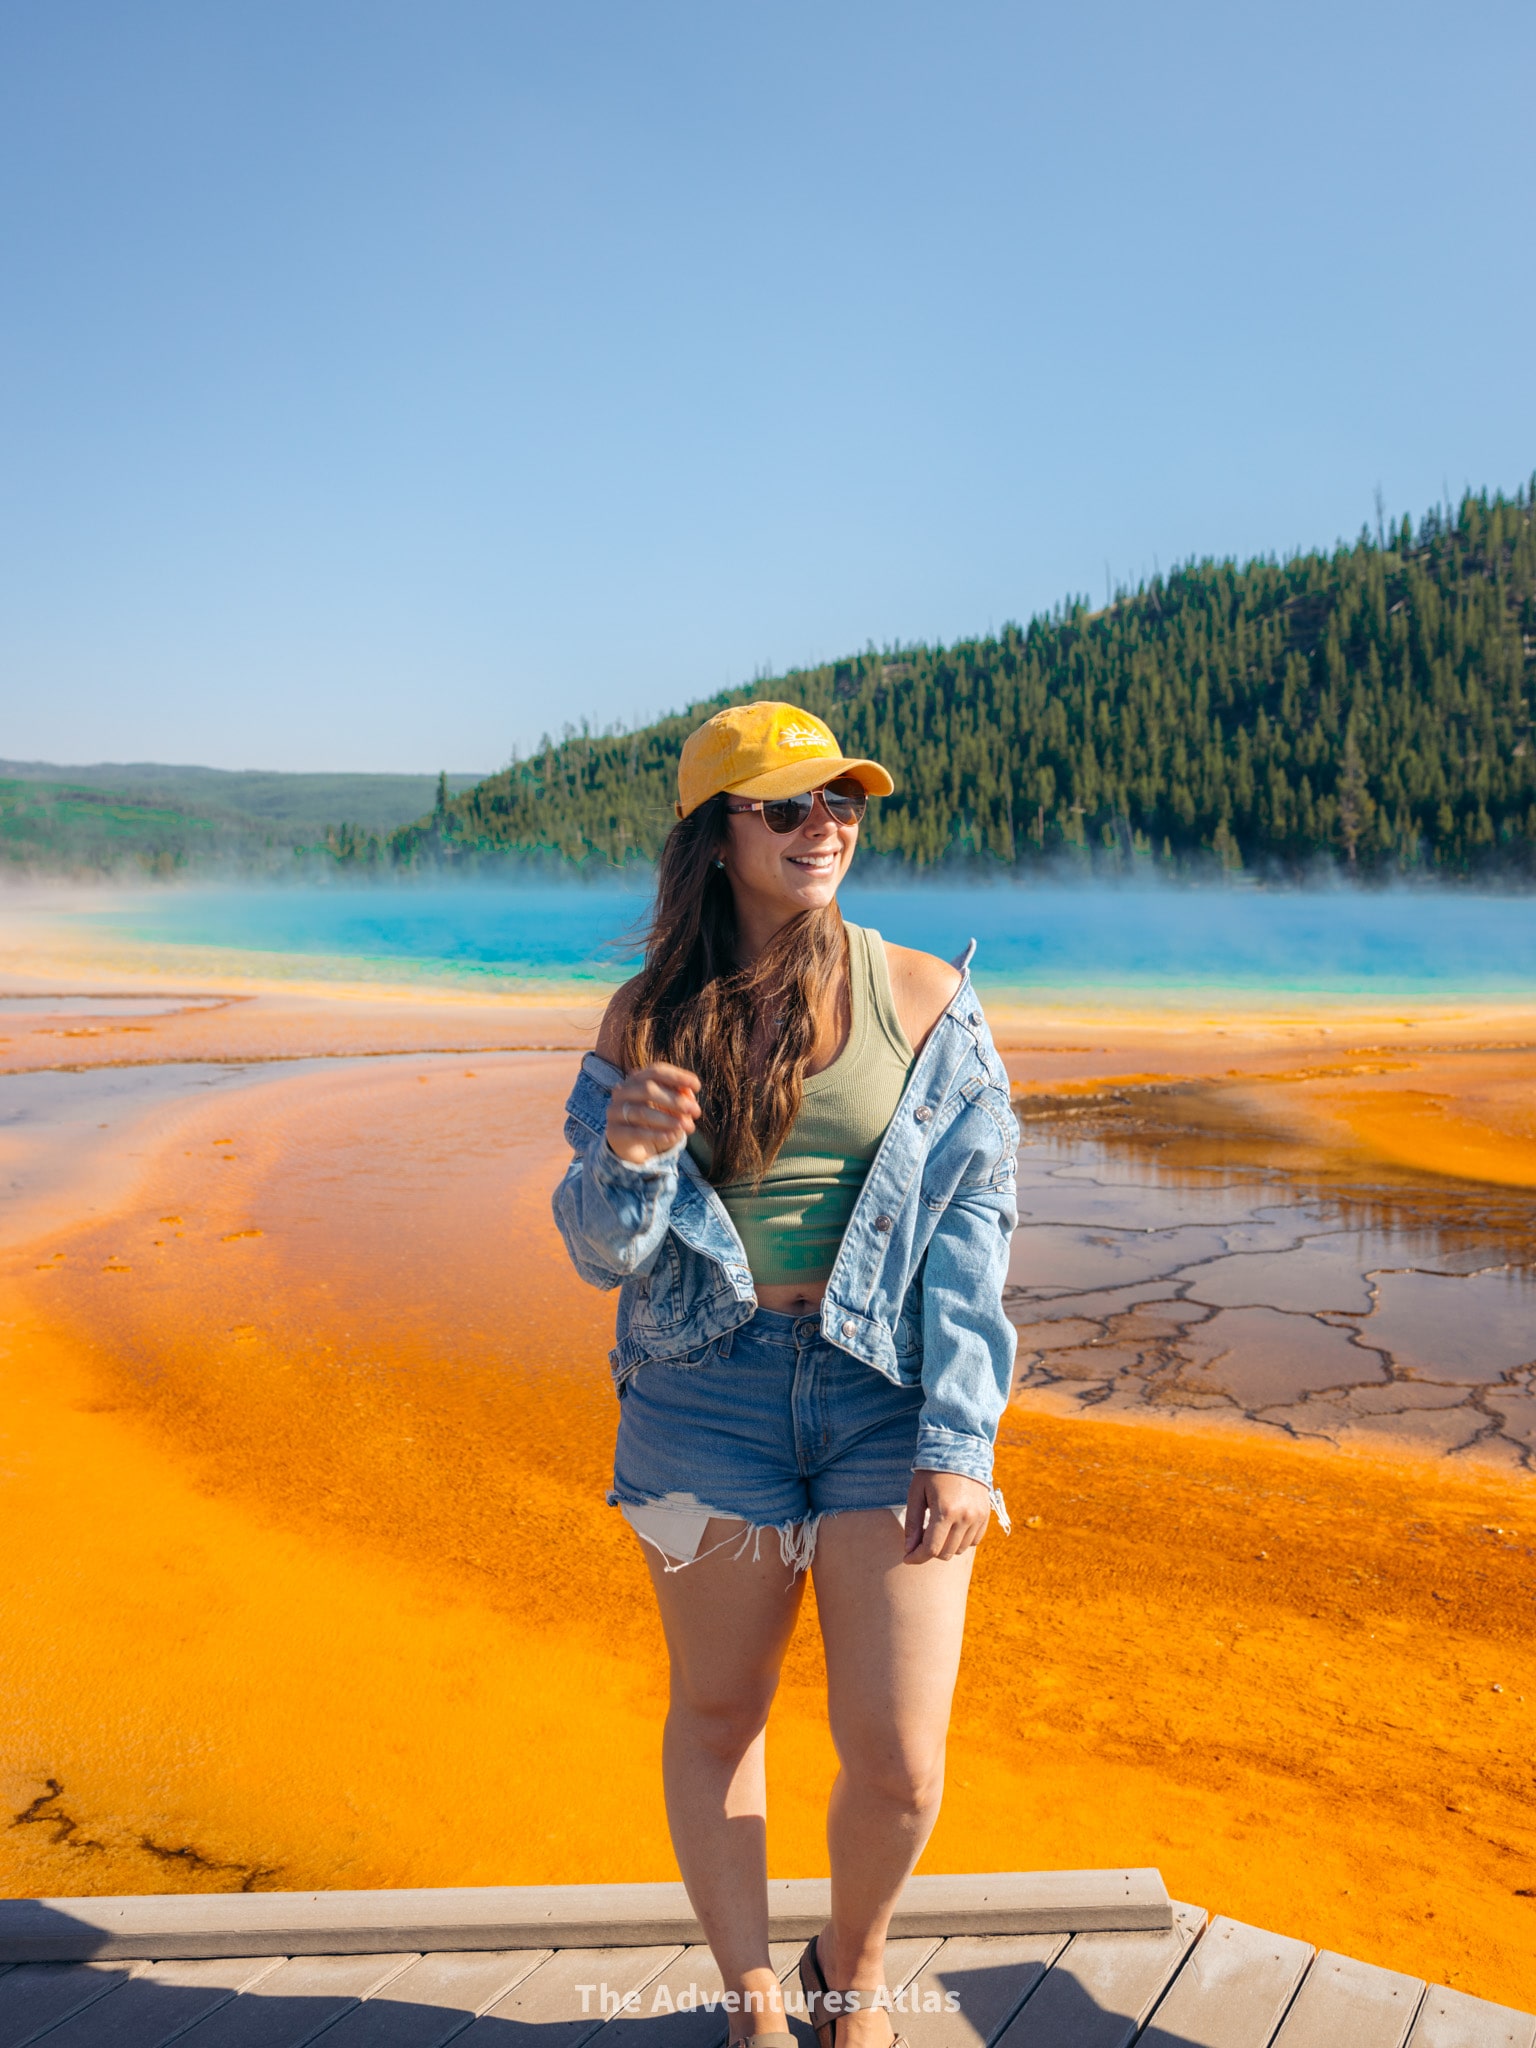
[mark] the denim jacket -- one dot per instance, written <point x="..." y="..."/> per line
<point x="916" y="1290"/>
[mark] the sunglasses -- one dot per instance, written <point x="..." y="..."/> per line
<point x="845" y="799"/>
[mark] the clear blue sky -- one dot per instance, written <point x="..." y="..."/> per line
<point x="382" y="384"/>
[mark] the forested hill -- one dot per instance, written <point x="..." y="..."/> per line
<point x="1371" y="705"/>
<point x="132" y="819"/>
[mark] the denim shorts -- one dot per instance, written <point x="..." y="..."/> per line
<point x="774" y="1427"/>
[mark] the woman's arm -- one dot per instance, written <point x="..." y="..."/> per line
<point x="968" y="1352"/>
<point x="614" y="1201"/>
<point x="653" y="1109"/>
<point x="968" y="1342"/>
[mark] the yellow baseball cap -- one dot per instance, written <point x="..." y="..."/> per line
<point x="766" y="750"/>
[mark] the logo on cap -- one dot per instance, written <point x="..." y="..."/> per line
<point x="800" y="736"/>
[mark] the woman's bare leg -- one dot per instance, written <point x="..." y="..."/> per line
<point x="892" y="1634"/>
<point x="728" y="1622"/>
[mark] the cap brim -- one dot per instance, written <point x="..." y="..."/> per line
<point x="796" y="777"/>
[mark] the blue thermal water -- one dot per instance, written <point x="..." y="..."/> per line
<point x="1421" y="942"/>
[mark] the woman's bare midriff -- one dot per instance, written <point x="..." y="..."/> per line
<point x="802" y="1299"/>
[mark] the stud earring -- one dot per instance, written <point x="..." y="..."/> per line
<point x="719" y="863"/>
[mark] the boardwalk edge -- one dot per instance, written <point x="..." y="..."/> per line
<point x="165" y="1926"/>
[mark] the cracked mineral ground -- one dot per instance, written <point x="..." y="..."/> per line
<point x="1380" y="1312"/>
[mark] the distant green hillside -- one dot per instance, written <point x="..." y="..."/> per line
<point x="1370" y="706"/>
<point x="146" y="817"/>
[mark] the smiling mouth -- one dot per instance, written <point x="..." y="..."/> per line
<point x="817" y="863"/>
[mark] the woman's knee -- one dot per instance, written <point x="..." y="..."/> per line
<point x="909" y="1780"/>
<point x="723" y="1723"/>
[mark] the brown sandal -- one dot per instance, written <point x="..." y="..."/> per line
<point x="813" y="1982"/>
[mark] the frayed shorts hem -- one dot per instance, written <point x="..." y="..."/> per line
<point x="674" y="1527"/>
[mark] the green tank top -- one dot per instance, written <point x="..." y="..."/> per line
<point x="792" y="1221"/>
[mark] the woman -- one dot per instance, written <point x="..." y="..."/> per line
<point x="794" y="1152"/>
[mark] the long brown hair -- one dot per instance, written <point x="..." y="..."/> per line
<point x="693" y="1004"/>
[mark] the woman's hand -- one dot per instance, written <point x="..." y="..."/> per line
<point x="946" y="1515"/>
<point x="651" y="1110"/>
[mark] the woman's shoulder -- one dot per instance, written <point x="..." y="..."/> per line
<point x="610" y="1033"/>
<point x="922" y="988"/>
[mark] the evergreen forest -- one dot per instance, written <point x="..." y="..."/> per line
<point x="150" y="819"/>
<point x="1368" y="707"/>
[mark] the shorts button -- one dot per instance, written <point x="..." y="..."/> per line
<point x="882" y="1223"/>
<point x="850" y="1329"/>
<point x="923" y="1114"/>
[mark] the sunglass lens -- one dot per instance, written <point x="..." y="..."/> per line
<point x="788" y="813"/>
<point x="847" y="800"/>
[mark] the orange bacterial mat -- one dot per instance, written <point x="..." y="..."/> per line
<point x="308" y="1580"/>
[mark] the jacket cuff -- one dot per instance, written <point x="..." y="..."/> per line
<point x="608" y="1169"/>
<point x="944" y="1450"/>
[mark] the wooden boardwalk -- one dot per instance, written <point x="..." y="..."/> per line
<point x="1096" y="1959"/>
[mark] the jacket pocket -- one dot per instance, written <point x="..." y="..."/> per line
<point x="695" y="1360"/>
<point x="690" y="1361"/>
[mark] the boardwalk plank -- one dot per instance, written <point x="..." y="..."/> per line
<point x="35" y="1996"/>
<point x="1232" y="1992"/>
<point x="991" y="1975"/>
<point x="435" y="1999"/>
<point x="293" y="2002"/>
<point x="1345" y="2001"/>
<point x="159" y="2002"/>
<point x="559" y="2005"/>
<point x="1450" y="2019"/>
<point x="691" y="1976"/>
<point x="1101" y="1988"/>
